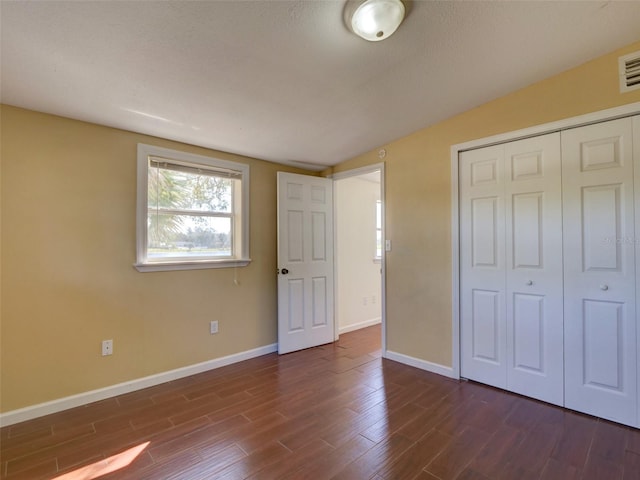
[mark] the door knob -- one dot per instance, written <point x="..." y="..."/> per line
<point x="529" y="282"/>
<point x="285" y="271"/>
<point x="604" y="287"/>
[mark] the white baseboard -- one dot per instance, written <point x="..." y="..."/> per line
<point x="359" y="325"/>
<point x="34" y="411"/>
<point x="421" y="364"/>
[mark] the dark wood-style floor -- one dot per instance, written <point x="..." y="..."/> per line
<point x="336" y="411"/>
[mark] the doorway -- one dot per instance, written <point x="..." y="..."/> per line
<point x="359" y="249"/>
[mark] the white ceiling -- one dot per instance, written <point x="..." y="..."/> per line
<point x="285" y="80"/>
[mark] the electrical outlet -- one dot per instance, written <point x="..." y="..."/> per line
<point x="213" y="327"/>
<point x="107" y="347"/>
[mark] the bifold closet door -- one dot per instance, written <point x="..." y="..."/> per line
<point x="511" y="267"/>
<point x="482" y="266"/>
<point x="535" y="327"/>
<point x="599" y="270"/>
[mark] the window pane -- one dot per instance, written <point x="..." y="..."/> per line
<point x="188" y="236"/>
<point x="379" y="243"/>
<point x="171" y="188"/>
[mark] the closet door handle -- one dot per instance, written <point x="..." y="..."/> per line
<point x="604" y="287"/>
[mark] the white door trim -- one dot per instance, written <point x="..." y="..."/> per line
<point x="383" y="294"/>
<point x="578" y="121"/>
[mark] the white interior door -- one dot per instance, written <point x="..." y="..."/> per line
<point x="511" y="267"/>
<point x="482" y="266"/>
<point x="305" y="262"/>
<point x="534" y="313"/>
<point x="599" y="267"/>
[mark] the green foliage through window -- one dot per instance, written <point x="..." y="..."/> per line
<point x="190" y="211"/>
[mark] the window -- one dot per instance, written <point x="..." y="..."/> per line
<point x="378" y="230"/>
<point x="193" y="211"/>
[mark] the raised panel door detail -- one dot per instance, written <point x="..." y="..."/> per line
<point x="601" y="153"/>
<point x="528" y="332"/>
<point x="318" y="194"/>
<point x="527" y="212"/>
<point x="484" y="232"/>
<point x="294" y="191"/>
<point x="319" y="289"/>
<point x="484" y="172"/>
<point x="601" y="223"/>
<point x="296" y="305"/>
<point x="526" y="166"/>
<point x="295" y="233"/>
<point x="603" y="344"/>
<point x="318" y="236"/>
<point x="485" y="325"/>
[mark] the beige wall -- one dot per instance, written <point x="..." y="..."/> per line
<point x="68" y="245"/>
<point x="418" y="195"/>
<point x="358" y="280"/>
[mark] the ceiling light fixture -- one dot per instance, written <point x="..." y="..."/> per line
<point x="374" y="20"/>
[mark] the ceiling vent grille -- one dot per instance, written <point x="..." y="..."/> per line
<point x="629" y="72"/>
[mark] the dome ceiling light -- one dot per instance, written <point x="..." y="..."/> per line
<point x="374" y="20"/>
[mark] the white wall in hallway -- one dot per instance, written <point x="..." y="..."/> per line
<point x="358" y="278"/>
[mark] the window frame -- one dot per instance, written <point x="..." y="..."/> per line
<point x="240" y="220"/>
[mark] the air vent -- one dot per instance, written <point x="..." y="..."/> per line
<point x="629" y="72"/>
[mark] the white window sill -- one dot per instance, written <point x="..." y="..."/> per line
<point x="196" y="265"/>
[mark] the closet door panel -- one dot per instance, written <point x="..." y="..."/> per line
<point x="534" y="321"/>
<point x="527" y="230"/>
<point x="602" y="224"/>
<point x="529" y="333"/>
<point x="482" y="266"/>
<point x="485" y="326"/>
<point x="604" y="347"/>
<point x="484" y="232"/>
<point x="599" y="271"/>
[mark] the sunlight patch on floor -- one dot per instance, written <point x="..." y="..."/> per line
<point x="108" y="465"/>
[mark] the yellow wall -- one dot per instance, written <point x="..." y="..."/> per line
<point x="68" y="245"/>
<point x="418" y="195"/>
